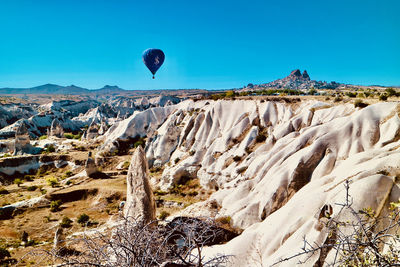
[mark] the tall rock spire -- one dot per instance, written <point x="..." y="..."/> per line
<point x="140" y="204"/>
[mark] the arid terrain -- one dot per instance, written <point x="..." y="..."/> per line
<point x="263" y="164"/>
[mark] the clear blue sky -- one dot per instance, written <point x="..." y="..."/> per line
<point x="208" y="44"/>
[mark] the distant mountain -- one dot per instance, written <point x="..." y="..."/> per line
<point x="108" y="90"/>
<point x="61" y="90"/>
<point x="295" y="80"/>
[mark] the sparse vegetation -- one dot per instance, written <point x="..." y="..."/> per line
<point x="261" y="137"/>
<point x="43" y="137"/>
<point x="224" y="220"/>
<point x="337" y="99"/>
<point x="83" y="219"/>
<point x="147" y="244"/>
<point x="241" y="170"/>
<point x="383" y="97"/>
<point x="156" y="169"/>
<point x="160" y="193"/>
<point x="237" y="158"/>
<point x="66" y="222"/>
<point x="312" y="91"/>
<point x="68" y="135"/>
<point x="230" y="93"/>
<point x="52" y="181"/>
<point x="355" y="241"/>
<point x="81" y="148"/>
<point x="126" y="164"/>
<point x="360" y="104"/>
<point x="29" y="178"/>
<point x="3" y="191"/>
<point x="163" y="215"/>
<point x="18" y="182"/>
<point x="49" y="149"/>
<point x="176" y="160"/>
<point x="383" y="172"/>
<point x="141" y="142"/>
<point x="351" y="94"/>
<point x="4" y="253"/>
<point x="6" y="155"/>
<point x="55" y="205"/>
<point x="32" y="188"/>
<point x="391" y="92"/>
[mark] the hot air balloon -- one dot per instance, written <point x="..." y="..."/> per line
<point x="153" y="59"/>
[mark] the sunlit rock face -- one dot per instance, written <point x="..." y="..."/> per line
<point x="140" y="204"/>
<point x="273" y="165"/>
<point x="56" y="129"/>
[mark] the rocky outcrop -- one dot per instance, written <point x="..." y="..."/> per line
<point x="38" y="125"/>
<point x="10" y="113"/>
<point x="143" y="102"/>
<point x="92" y="131"/>
<point x="6" y="146"/>
<point x="295" y="74"/>
<point x="164" y="100"/>
<point x="295" y="81"/>
<point x="103" y="127"/>
<point x="305" y="75"/>
<point x="73" y="108"/>
<point x="140" y="124"/>
<point x="273" y="165"/>
<point x="12" y="167"/>
<point x="56" y="129"/>
<point x="90" y="166"/>
<point x="140" y="204"/>
<point x="166" y="140"/>
<point x="22" y="144"/>
<point x="58" y="238"/>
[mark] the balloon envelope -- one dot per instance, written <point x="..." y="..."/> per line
<point x="153" y="59"/>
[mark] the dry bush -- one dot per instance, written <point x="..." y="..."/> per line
<point x="358" y="241"/>
<point x="134" y="243"/>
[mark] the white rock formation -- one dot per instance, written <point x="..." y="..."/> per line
<point x="56" y="129"/>
<point x="92" y="131"/>
<point x="273" y="187"/>
<point x="164" y="100"/>
<point x="90" y="166"/>
<point x="74" y="107"/>
<point x="141" y="124"/>
<point x="37" y="125"/>
<point x="22" y="143"/>
<point x="140" y="204"/>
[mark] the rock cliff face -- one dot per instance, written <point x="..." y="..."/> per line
<point x="274" y="165"/>
<point x="140" y="204"/>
